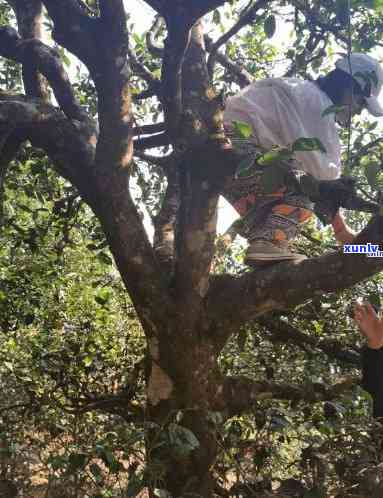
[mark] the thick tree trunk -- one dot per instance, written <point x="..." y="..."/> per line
<point x="186" y="475"/>
<point x="182" y="390"/>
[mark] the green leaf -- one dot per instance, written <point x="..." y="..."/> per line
<point x="77" y="461"/>
<point x="66" y="60"/>
<point x="315" y="493"/>
<point x="278" y="423"/>
<point x="308" y="144"/>
<point x="135" y="486"/>
<point x="377" y="5"/>
<point x="333" y="109"/>
<point x="104" y="258"/>
<point x="8" y="365"/>
<point x="182" y="440"/>
<point x="372" y="171"/>
<point x="274" y="156"/>
<point x="245" y="167"/>
<point x="137" y="38"/>
<point x="102" y="296"/>
<point x="269" y="26"/>
<point x="374" y="298"/>
<point x="217" y="17"/>
<point x="57" y="462"/>
<point x="108" y="458"/>
<point x="242" y="338"/>
<point x="111" y="461"/>
<point x="96" y="472"/>
<point x="273" y="178"/>
<point x="88" y="360"/>
<point x="243" y="129"/>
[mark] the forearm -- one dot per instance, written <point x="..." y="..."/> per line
<point x="342" y="232"/>
<point x="372" y="377"/>
<point x="338" y="223"/>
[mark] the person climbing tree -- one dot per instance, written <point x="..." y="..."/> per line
<point x="279" y="112"/>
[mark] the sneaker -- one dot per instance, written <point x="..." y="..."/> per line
<point x="264" y="251"/>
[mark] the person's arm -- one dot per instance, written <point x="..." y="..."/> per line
<point x="342" y="232"/>
<point x="372" y="355"/>
<point x="372" y="377"/>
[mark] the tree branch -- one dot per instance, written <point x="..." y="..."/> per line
<point x="176" y="45"/>
<point x="47" y="61"/>
<point x="149" y="92"/>
<point x="202" y="172"/>
<point x="313" y="20"/>
<point x="102" y="44"/>
<point x="68" y="143"/>
<point x="193" y="9"/>
<point x="282" y="331"/>
<point x="162" y="161"/>
<point x="164" y="222"/>
<point x="141" y="70"/>
<point x="29" y="20"/>
<point x="71" y="146"/>
<point x="112" y="13"/>
<point x="242" y="77"/>
<point x="154" y="49"/>
<point x="236" y="300"/>
<point x="149" y="129"/>
<point x="73" y="29"/>
<point x="240" y="393"/>
<point x="157" y="5"/>
<point x="119" y="404"/>
<point x="159" y="140"/>
<point x="115" y="144"/>
<point x="247" y="17"/>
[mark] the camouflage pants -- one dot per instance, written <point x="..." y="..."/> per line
<point x="274" y="217"/>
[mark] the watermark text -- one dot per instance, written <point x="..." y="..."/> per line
<point x="370" y="250"/>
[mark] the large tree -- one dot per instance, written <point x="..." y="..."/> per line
<point x="188" y="312"/>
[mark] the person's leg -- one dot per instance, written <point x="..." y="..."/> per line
<point x="269" y="221"/>
<point x="269" y="239"/>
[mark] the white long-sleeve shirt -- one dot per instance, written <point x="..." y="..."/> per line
<point x="281" y="110"/>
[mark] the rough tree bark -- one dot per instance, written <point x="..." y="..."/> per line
<point x="186" y="313"/>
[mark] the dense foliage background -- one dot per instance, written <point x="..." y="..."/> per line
<point x="71" y="347"/>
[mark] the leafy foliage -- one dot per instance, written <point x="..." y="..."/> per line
<point x="71" y="348"/>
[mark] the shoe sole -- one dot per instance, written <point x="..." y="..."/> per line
<point x="267" y="258"/>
